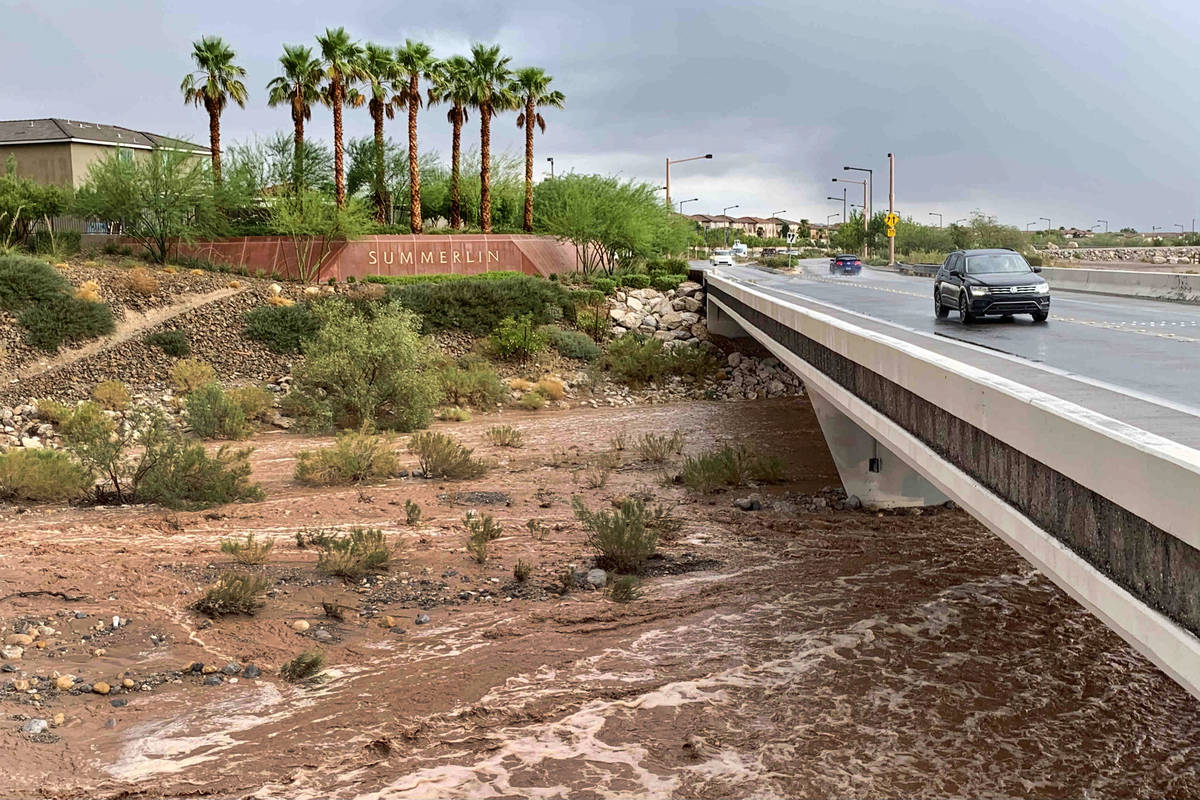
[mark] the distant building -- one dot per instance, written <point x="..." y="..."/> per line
<point x="60" y="151"/>
<point x="751" y="226"/>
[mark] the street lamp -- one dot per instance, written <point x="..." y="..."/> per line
<point x="1154" y="228"/>
<point x="937" y="214"/>
<point x="829" y="217"/>
<point x="551" y="160"/>
<point x="689" y="200"/>
<point x="1030" y="224"/>
<point x="843" y="199"/>
<point x="773" y="213"/>
<point x="671" y="161"/>
<point x="964" y="219"/>
<point x="863" y="184"/>
<point x="723" y="210"/>
<point x="870" y="185"/>
<point x="1047" y="223"/>
<point x="1181" y="227"/>
<point x="1105" y="224"/>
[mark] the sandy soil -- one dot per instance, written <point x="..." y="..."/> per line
<point x="774" y="653"/>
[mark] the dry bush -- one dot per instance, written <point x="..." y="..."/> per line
<point x="111" y="395"/>
<point x="504" y="436"/>
<point x="657" y="449"/>
<point x="354" y="457"/>
<point x="249" y="551"/>
<point x="280" y="300"/>
<point x="255" y="401"/>
<point x="188" y="375"/>
<point x="439" y="455"/>
<point x="520" y="384"/>
<point x="140" y="281"/>
<point x="233" y="593"/>
<point x="551" y="389"/>
<point x="596" y="477"/>
<point x="454" y="414"/>
<point x="89" y="291"/>
<point x="484" y="525"/>
<point x="303" y="667"/>
<point x="359" y="552"/>
<point x="537" y="529"/>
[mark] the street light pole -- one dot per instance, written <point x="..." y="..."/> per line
<point x="689" y="200"/>
<point x="551" y="160"/>
<point x="1047" y="224"/>
<point x="862" y="183"/>
<point x="679" y="161"/>
<point x="773" y="213"/>
<point x="723" y="210"/>
<point x="891" y="206"/>
<point x="937" y="214"/>
<point x="1028" y="224"/>
<point x="1105" y="224"/>
<point x="870" y="187"/>
<point x="843" y="199"/>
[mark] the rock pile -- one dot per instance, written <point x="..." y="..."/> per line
<point x="673" y="316"/>
<point x="20" y="426"/>
<point x="749" y="378"/>
<point x="1144" y="255"/>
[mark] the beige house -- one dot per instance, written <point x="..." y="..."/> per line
<point x="61" y="151"/>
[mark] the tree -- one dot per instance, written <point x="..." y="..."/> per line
<point x="491" y="93"/>
<point x="382" y="78"/>
<point x="532" y="85"/>
<point x="299" y="86"/>
<point x="415" y="61"/>
<point x="313" y="224"/>
<point x="452" y="85"/>
<point x="23" y="202"/>
<point x="156" y="197"/>
<point x="343" y="66"/>
<point x="216" y="81"/>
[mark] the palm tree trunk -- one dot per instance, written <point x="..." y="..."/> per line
<point x="529" y="164"/>
<point x="455" y="146"/>
<point x="485" y="167"/>
<point x="298" y="136"/>
<point x="339" y="175"/>
<point x="377" y="118"/>
<point x="214" y="140"/>
<point x="414" y="173"/>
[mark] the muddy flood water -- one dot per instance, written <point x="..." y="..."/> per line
<point x="796" y="651"/>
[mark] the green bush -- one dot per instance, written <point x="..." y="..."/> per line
<point x="658" y="448"/>
<point x="532" y="401"/>
<point x="283" y="329"/>
<point x="256" y="402"/>
<point x="518" y="337"/>
<point x="504" y="436"/>
<point x="358" y="553"/>
<point x="41" y="476"/>
<point x="440" y="456"/>
<point x="213" y="414"/>
<point x="729" y="466"/>
<point x="375" y="371"/>
<point x="189" y="375"/>
<point x="173" y="343"/>
<point x="354" y="457"/>
<point x="248" y="551"/>
<point x="303" y="667"/>
<point x="441" y="277"/>
<point x="184" y="476"/>
<point x="233" y="593"/>
<point x="60" y="245"/>
<point x="26" y="281"/>
<point x="621" y="536"/>
<point x="571" y="344"/>
<point x="637" y="360"/>
<point x="64" y="319"/>
<point x="635" y="280"/>
<point x="478" y="305"/>
<point x="625" y="589"/>
<point x="475" y="384"/>
<point x="606" y="285"/>
<point x="412" y="512"/>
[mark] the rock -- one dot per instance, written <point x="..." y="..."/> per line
<point x="670" y="320"/>
<point x="64" y="683"/>
<point x="854" y="502"/>
<point x="650" y="322"/>
<point x="387" y="622"/>
<point x="59" y="719"/>
<point x="12" y="652"/>
<point x="21" y="685"/>
<point x="688" y="288"/>
<point x="31" y="443"/>
<point x="209" y="669"/>
<point x="422" y="619"/>
<point x="19" y="639"/>
<point x="46" y="630"/>
<point x="118" y="702"/>
<point x="232" y="668"/>
<point x="196" y="667"/>
<point x="322" y="635"/>
<point x="300" y="625"/>
<point x="751" y="503"/>
<point x="127" y="683"/>
<point x="735" y="358"/>
<point x="597" y="578"/>
<point x="251" y="671"/>
<point x="212" y="680"/>
<point x="688" y="304"/>
<point x="100" y="687"/>
<point x="35" y="726"/>
<point x="635" y="304"/>
<point x="111" y="722"/>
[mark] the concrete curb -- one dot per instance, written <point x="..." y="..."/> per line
<point x="1179" y="287"/>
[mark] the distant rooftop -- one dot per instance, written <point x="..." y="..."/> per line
<point x="52" y="130"/>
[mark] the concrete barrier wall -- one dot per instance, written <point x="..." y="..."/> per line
<point x="1177" y="286"/>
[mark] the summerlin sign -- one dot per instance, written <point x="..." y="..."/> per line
<point x="431" y="255"/>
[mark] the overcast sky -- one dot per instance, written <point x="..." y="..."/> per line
<point x="1070" y="109"/>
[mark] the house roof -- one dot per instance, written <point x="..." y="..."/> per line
<point x="53" y="130"/>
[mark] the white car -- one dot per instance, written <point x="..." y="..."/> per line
<point x="722" y="258"/>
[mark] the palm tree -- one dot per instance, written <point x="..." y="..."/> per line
<point x="452" y="84"/>
<point x="532" y="84"/>
<point x="299" y="86"/>
<point x="215" y="82"/>
<point x="491" y="93"/>
<point x="383" y="75"/>
<point x="415" y="60"/>
<point x="343" y="67"/>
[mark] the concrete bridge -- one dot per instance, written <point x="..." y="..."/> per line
<point x="1094" y="481"/>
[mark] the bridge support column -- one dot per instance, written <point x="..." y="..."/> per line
<point x="869" y="470"/>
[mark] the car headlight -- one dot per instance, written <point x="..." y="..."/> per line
<point x="1042" y="288"/>
<point x="978" y="291"/>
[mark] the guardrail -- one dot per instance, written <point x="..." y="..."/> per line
<point x="924" y="270"/>
<point x="1181" y="287"/>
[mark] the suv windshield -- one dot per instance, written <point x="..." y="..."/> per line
<point x="996" y="262"/>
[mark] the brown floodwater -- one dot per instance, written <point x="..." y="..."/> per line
<point x="814" y="653"/>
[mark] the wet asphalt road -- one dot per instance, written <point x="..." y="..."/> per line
<point x="1147" y="347"/>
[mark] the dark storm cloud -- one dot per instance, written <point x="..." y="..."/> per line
<point x="1075" y="109"/>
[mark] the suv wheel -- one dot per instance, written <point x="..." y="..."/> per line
<point x="964" y="311"/>
<point x="1040" y="316"/>
<point x="940" y="310"/>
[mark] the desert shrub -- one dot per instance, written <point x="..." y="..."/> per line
<point x="173" y="343"/>
<point x="538" y="529"/>
<point x="65" y="319"/>
<point x="356" y="456"/>
<point x="729" y="466"/>
<point x="571" y="344"/>
<point x="111" y="395"/>
<point x="41" y="476"/>
<point x="477" y="547"/>
<point x="440" y="456"/>
<point x="484" y="525"/>
<point x="635" y="280"/>
<point x="520" y="384"/>
<point x="53" y="410"/>
<point x="693" y="362"/>
<point x="532" y="401"/>
<point x="233" y="593"/>
<point x="454" y="414"/>
<point x="620" y="536"/>
<point x="303" y="667"/>
<point x="596" y="477"/>
<point x="188" y="375"/>
<point x="675" y="266"/>
<point x="477" y="306"/>
<point x="213" y="414"/>
<point x="375" y="371"/>
<point x="412" y="512"/>
<point x="662" y="522"/>
<point x="637" y="361"/>
<point x="254" y="401"/>
<point x="184" y="475"/>
<point x="618" y="442"/>
<point x="360" y="552"/>
<point x="89" y="291"/>
<point x="249" y="551"/>
<point x="657" y="448"/>
<point x="551" y="389"/>
<point x="283" y="329"/>
<point x="504" y="436"/>
<point x="625" y="589"/>
<point x="472" y="384"/>
<point x="140" y="281"/>
<point x="518" y="337"/>
<point x="606" y="285"/>
<point x="664" y="282"/>
<point x="522" y="570"/>
<point x="26" y="281"/>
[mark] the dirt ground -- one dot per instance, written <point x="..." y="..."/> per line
<point x="512" y="689"/>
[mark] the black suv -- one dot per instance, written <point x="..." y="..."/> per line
<point x="993" y="282"/>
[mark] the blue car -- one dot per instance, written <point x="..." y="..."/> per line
<point x="845" y="265"/>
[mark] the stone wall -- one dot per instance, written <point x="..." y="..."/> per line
<point x="1144" y="255"/>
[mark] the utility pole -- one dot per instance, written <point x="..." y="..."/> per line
<point x="891" y="206"/>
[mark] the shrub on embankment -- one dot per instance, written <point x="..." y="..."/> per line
<point x="477" y="305"/>
<point x="46" y="307"/>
